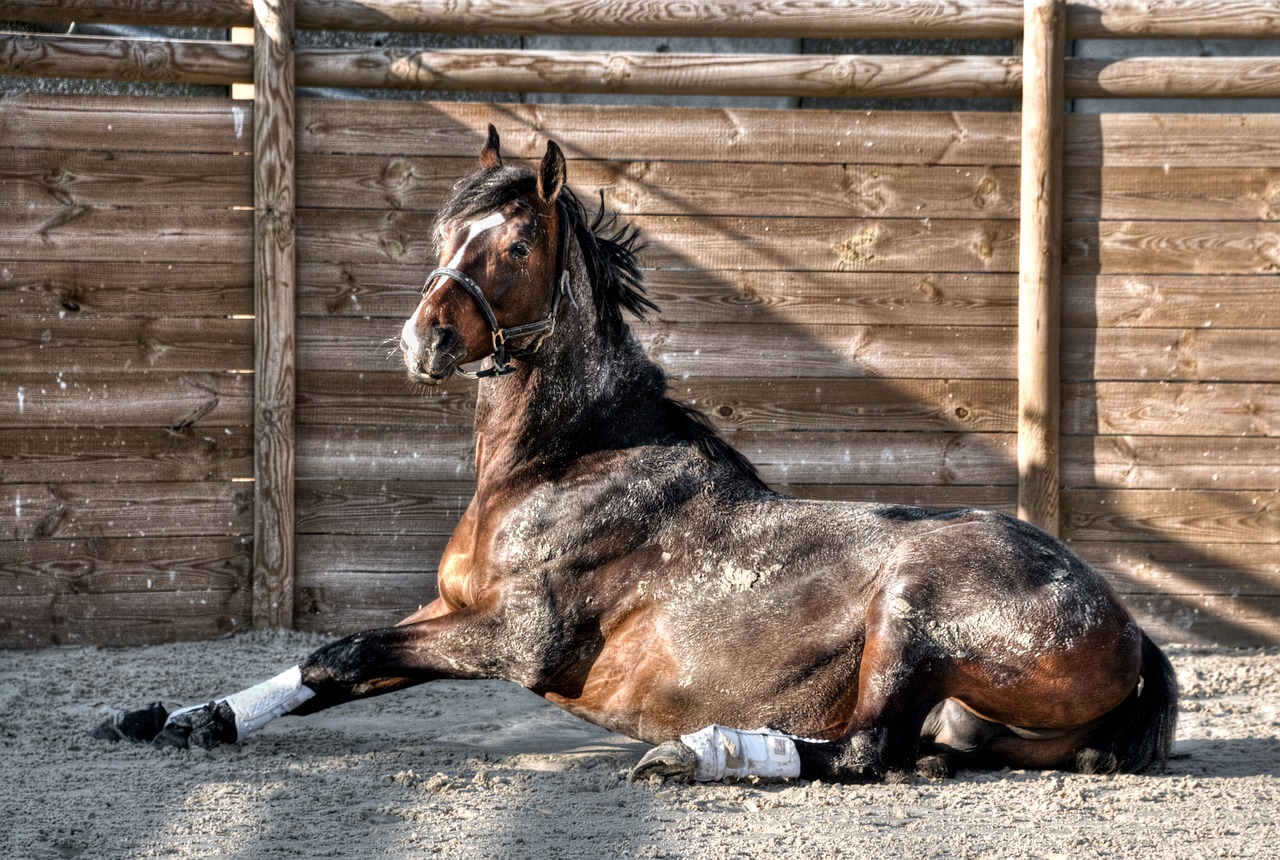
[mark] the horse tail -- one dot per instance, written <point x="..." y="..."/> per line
<point x="1137" y="735"/>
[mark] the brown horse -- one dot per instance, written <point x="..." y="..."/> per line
<point x="621" y="560"/>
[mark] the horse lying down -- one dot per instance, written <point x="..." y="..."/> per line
<point x="622" y="560"/>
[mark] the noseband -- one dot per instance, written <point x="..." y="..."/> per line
<point x="543" y="328"/>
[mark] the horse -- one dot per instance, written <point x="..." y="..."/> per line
<point x="622" y="560"/>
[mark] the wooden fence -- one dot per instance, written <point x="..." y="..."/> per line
<point x="182" y="315"/>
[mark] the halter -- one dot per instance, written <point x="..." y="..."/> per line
<point x="500" y="364"/>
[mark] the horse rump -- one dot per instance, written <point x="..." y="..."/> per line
<point x="1136" y="736"/>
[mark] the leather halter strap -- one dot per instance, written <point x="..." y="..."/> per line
<point x="500" y="364"/>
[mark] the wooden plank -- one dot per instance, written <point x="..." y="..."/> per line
<point x="123" y="566"/>
<point x="38" y="621"/>
<point x="381" y="507"/>
<point x="1173" y="193"/>
<point x="105" y="455"/>
<point x="385" y="399"/>
<point x="844" y="352"/>
<point x="126" y="235"/>
<point x="1192" y="355"/>
<point x="1192" y="517"/>
<point x="691" y="242"/>
<point x="902" y="405"/>
<point x="659" y="133"/>
<point x="676" y="187"/>
<point x="391" y="454"/>
<point x="81" y="344"/>
<point x="1172" y="77"/>
<point x="1171" y="248"/>
<point x="34" y="511"/>
<point x="671" y="73"/>
<point x="189" y="61"/>
<point x="1172" y="409"/>
<point x="103" y="179"/>
<point x="363" y="581"/>
<point x="402" y="454"/>
<point x="1177" y="140"/>
<point x="54" y="287"/>
<point x="760" y="18"/>
<point x="1160" y="462"/>
<point x="1171" y="301"/>
<point x="1174" y="568"/>
<point x="275" y="319"/>
<point x="1242" y="622"/>
<point x="702" y="296"/>
<point x="173" y="401"/>
<point x="930" y="459"/>
<point x="989" y="19"/>
<point x="125" y="123"/>
<point x="1039" y="263"/>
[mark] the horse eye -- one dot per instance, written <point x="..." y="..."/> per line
<point x="520" y="249"/>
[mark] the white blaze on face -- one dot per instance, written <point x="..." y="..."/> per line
<point x="409" y="334"/>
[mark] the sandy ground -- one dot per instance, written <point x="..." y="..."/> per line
<point x="488" y="770"/>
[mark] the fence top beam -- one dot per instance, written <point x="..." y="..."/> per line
<point x="940" y="19"/>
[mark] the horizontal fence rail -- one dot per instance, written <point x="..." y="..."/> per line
<point x="799" y="76"/>
<point x="937" y="19"/>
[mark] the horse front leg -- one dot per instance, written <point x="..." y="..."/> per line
<point x="467" y="644"/>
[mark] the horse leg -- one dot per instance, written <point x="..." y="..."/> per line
<point x="897" y="690"/>
<point x="459" y="645"/>
<point x="899" y="679"/>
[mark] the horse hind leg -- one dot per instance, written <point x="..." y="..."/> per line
<point x="900" y="680"/>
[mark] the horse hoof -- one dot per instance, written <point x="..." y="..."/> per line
<point x="141" y="725"/>
<point x="204" y="727"/>
<point x="672" y="760"/>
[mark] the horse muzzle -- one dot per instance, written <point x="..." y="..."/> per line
<point x="433" y="360"/>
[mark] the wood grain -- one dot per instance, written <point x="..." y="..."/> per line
<point x="645" y="134"/>
<point x="56" y="287"/>
<point x="123" y="566"/>
<point x="1187" y="517"/>
<point x="275" y="314"/>
<point x="172" y="401"/>
<point x="1040" y="264"/>
<point x="998" y="19"/>
<point x="1184" y="463"/>
<point x="390" y="291"/>
<point x="87" y="454"/>
<point x="847" y="352"/>
<point x="86" y="233"/>
<point x="44" y="620"/>
<point x="60" y="178"/>
<point x="78" y="345"/>
<point x="36" y="511"/>
<point x="1227" y="411"/>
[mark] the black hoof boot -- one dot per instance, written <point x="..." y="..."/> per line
<point x="205" y="727"/>
<point x="142" y="725"/>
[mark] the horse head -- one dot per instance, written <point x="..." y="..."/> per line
<point x="498" y="285"/>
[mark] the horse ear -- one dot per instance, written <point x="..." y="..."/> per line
<point x="489" y="156"/>
<point x="551" y="176"/>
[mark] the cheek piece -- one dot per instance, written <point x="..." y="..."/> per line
<point x="541" y="329"/>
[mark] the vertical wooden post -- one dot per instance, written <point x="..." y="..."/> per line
<point x="274" y="310"/>
<point x="1039" y="262"/>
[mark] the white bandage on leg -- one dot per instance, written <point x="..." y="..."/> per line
<point x="725" y="753"/>
<point x="262" y="703"/>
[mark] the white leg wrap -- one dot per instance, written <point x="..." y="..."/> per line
<point x="262" y="703"/>
<point x="725" y="753"/>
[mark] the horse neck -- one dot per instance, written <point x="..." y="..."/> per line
<point x="581" y="377"/>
